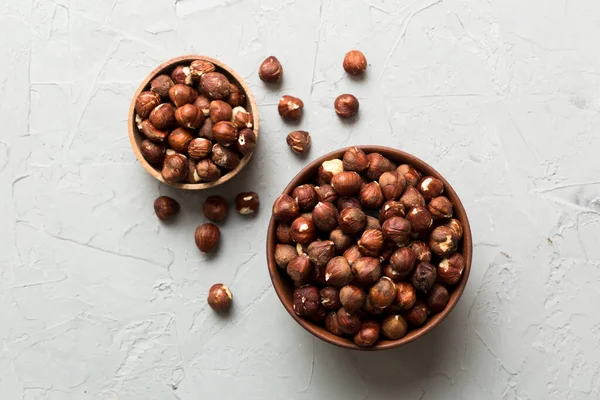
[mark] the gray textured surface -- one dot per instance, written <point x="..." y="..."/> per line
<point x="101" y="301"/>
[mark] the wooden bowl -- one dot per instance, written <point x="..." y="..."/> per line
<point x="136" y="137"/>
<point x="284" y="286"/>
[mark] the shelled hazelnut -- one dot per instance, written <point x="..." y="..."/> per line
<point x="325" y="216"/>
<point x="352" y="298"/>
<point x="247" y="203"/>
<point x="328" y="169"/>
<point x="326" y="193"/>
<point x="394" y="327"/>
<point x="284" y="253"/>
<point x="330" y="298"/>
<point x="345" y="202"/>
<point x="438" y="298"/>
<point x="306" y="197"/>
<point x="220" y="298"/>
<point x="270" y="71"/>
<point x="207" y="237"/>
<point x="165" y="207"/>
<point x="290" y="107"/>
<point x="215" y="208"/>
<point x="298" y="141"/>
<point x="346" y="106"/>
<point x="368" y="334"/>
<point x="355" y="62"/>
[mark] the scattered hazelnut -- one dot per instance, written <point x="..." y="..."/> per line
<point x="392" y="184"/>
<point x="236" y="97"/>
<point x="352" y="220"/>
<point x="189" y="116"/>
<point x="440" y="207"/>
<point x="306" y="302"/>
<point x="338" y="272"/>
<point x="220" y="111"/>
<point x="382" y="293"/>
<point x="372" y="223"/>
<point x="161" y="85"/>
<point x="284" y="253"/>
<point x="290" y="107"/>
<point x="199" y="148"/>
<point x="442" y="242"/>
<point x="154" y="153"/>
<point x="182" y="75"/>
<point x="192" y="176"/>
<point x="224" y="157"/>
<point x="330" y="298"/>
<point x="348" y="323"/>
<point x="340" y="240"/>
<point x="152" y="133"/>
<point x="182" y="94"/>
<point x="378" y="164"/>
<point x="412" y="198"/>
<point x="417" y="315"/>
<point x="391" y="208"/>
<point x="394" y="327"/>
<point x="366" y="270"/>
<point x="391" y="273"/>
<point x="215" y="208"/>
<point x="207" y="237"/>
<point x="326" y="193"/>
<point x="241" y="118"/>
<point x="355" y="63"/>
<point x="346" y="106"/>
<point x="371" y="242"/>
<point x="430" y="187"/>
<point x="406" y="295"/>
<point x="403" y="261"/>
<point x="163" y="116"/>
<point x="421" y="250"/>
<point x="270" y="71"/>
<point x="219" y="298"/>
<point x="180" y="140"/>
<point x="145" y="103"/>
<point x="450" y="269"/>
<point x="225" y="133"/>
<point x="175" y="167"/>
<point x="207" y="170"/>
<point x="332" y="325"/>
<point x="247" y="203"/>
<point x="203" y="103"/>
<point x="325" y="216"/>
<point x="206" y="131"/>
<point x="246" y="142"/>
<point x="424" y="276"/>
<point x="345" y="202"/>
<point x="306" y="197"/>
<point x="298" y="141"/>
<point x="456" y="229"/>
<point x="299" y="269"/>
<point x="352" y="298"/>
<point x="352" y="254"/>
<point x="165" y="207"/>
<point x="346" y="183"/>
<point x="215" y="85"/>
<point x="411" y="175"/>
<point x="303" y="230"/>
<point x="201" y="67"/>
<point x="320" y="252"/>
<point x="355" y="160"/>
<point x="371" y="196"/>
<point x="284" y="234"/>
<point x="438" y="298"/>
<point x="396" y="229"/>
<point x="420" y="219"/>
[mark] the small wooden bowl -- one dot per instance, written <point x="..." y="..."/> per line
<point x="284" y="287"/>
<point x="136" y="137"/>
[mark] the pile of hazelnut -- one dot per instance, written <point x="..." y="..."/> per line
<point x="195" y="125"/>
<point x="371" y="247"/>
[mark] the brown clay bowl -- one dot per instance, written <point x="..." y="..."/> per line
<point x="284" y="286"/>
<point x="136" y="137"/>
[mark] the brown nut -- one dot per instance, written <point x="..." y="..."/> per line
<point x="320" y="252"/>
<point x="412" y="198"/>
<point x="371" y="196"/>
<point x="152" y="133"/>
<point x="450" y="269"/>
<point x="180" y="139"/>
<point x="220" y="111"/>
<point x="219" y="298"/>
<point x="236" y="97"/>
<point x="456" y="229"/>
<point x="372" y="223"/>
<point x="182" y="75"/>
<point x="207" y="170"/>
<point x="203" y="103"/>
<point x="303" y="230"/>
<point x="396" y="229"/>
<point x="330" y="298"/>
<point x="345" y="202"/>
<point x="298" y="141"/>
<point x="189" y="116"/>
<point x="154" y="153"/>
<point x="241" y="118"/>
<point x="325" y="216"/>
<point x="161" y="85"/>
<point x="299" y="269"/>
<point x="430" y="187"/>
<point x="326" y="193"/>
<point x="417" y="315"/>
<point x="332" y="324"/>
<point x="387" y="252"/>
<point x="215" y="208"/>
<point x="420" y="219"/>
<point x="284" y="234"/>
<point x="352" y="298"/>
<point x="175" y="167"/>
<point x="403" y="261"/>
<point x="192" y="176"/>
<point x="382" y="293"/>
<point x="366" y="270"/>
<point x="391" y="273"/>
<point x="346" y="183"/>
<point x="225" y="133"/>
<point x="378" y="164"/>
<point x="438" y="298"/>
<point x="206" y="131"/>
<point x="338" y="272"/>
<point x="215" y="85"/>
<point x="165" y="207"/>
<point x="246" y="141"/>
<point x="411" y="175"/>
<point x="406" y="295"/>
<point x="328" y="169"/>
<point x="340" y="240"/>
<point x="145" y="103"/>
<point x="391" y="208"/>
<point x="290" y="107"/>
<point x="348" y="323"/>
<point x="355" y="63"/>
<point x="392" y="184"/>
<point x="306" y="301"/>
<point x="352" y="254"/>
<point x="163" y="116"/>
<point x="421" y="250"/>
<point x="207" y="237"/>
<point x="394" y="327"/>
<point x="371" y="242"/>
<point x="442" y="242"/>
<point x="352" y="220"/>
<point x="306" y="197"/>
<point x="247" y="203"/>
<point x="368" y="334"/>
<point x="355" y="160"/>
<point x="270" y="71"/>
<point x="182" y="94"/>
<point x="440" y="207"/>
<point x="424" y="277"/>
<point x="201" y="67"/>
<point x="285" y="208"/>
<point x="199" y="148"/>
<point x="346" y="106"/>
<point x="224" y="157"/>
<point x="372" y="309"/>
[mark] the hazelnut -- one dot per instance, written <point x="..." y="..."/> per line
<point x="392" y="184"/>
<point x="236" y="97"/>
<point x="352" y="254"/>
<point x="303" y="230"/>
<point x="290" y="107"/>
<point x="394" y="327"/>
<point x="325" y="216"/>
<point x="175" y="167"/>
<point x="387" y="252"/>
<point x="424" y="276"/>
<point x="355" y="63"/>
<point x="219" y="298"/>
<point x="346" y="106"/>
<point x="192" y="176"/>
<point x="352" y="220"/>
<point x="338" y="272"/>
<point x="299" y="269"/>
<point x="442" y="242"/>
<point x="403" y="261"/>
<point x="417" y="315"/>
<point x="340" y="240"/>
<point x="203" y="103"/>
<point x="355" y="160"/>
<point x="246" y="141"/>
<point x="270" y="71"/>
<point x="199" y="148"/>
<point x="285" y="208"/>
<point x="163" y="116"/>
<point x="330" y="298"/>
<point x="430" y="187"/>
<point x="224" y="157"/>
<point x="306" y="197"/>
<point x="366" y="270"/>
<point x="165" y="207"/>
<point x="371" y="242"/>
<point x="201" y="67"/>
<point x="328" y="169"/>
<point x="412" y="198"/>
<point x="318" y="275"/>
<point x="320" y="252"/>
<point x="396" y="229"/>
<point x="298" y="141"/>
<point x="456" y="228"/>
<point x="368" y="334"/>
<point x="345" y="202"/>
<point x="189" y="116"/>
<point x="348" y="323"/>
<point x="391" y="273"/>
<point x="371" y="309"/>
<point x="154" y="153"/>
<point x="207" y="237"/>
<point x="372" y="223"/>
<point x="440" y="207"/>
<point x="206" y="131"/>
<point x="284" y="234"/>
<point x="378" y="164"/>
<point x="161" y="85"/>
<point x="450" y="269"/>
<point x="152" y="133"/>
<point x="215" y="85"/>
<point x="421" y="250"/>
<point x="182" y="75"/>
<point x="247" y="203"/>
<point x="438" y="298"/>
<point x="215" y="208"/>
<point x="420" y="219"/>
<point x="225" y="133"/>
<point x="220" y="111"/>
<point x="346" y="183"/>
<point x="306" y="301"/>
<point x="332" y="325"/>
<point x="326" y="193"/>
<point x="241" y="118"/>
<point x="352" y="298"/>
<point x="207" y="170"/>
<point x="371" y="196"/>
<point x="406" y="295"/>
<point x="391" y="208"/>
<point x="180" y="139"/>
<point x="382" y="293"/>
<point x="145" y="103"/>
<point x="182" y="94"/>
<point x="411" y="175"/>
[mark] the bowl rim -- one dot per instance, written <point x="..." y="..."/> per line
<point x="133" y="130"/>
<point x="435" y="320"/>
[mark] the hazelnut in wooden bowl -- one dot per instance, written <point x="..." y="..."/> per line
<point x="193" y="123"/>
<point x="369" y="248"/>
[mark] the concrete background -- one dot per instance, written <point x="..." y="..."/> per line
<point x="99" y="300"/>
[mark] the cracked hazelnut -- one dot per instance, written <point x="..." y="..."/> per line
<point x="348" y="323"/>
<point x="442" y="242"/>
<point x="145" y="103"/>
<point x="456" y="229"/>
<point x="224" y="157"/>
<point x="352" y="254"/>
<point x="420" y="219"/>
<point x="215" y="208"/>
<point x="440" y="207"/>
<point x="412" y="198"/>
<point x="180" y="139"/>
<point x="368" y="334"/>
<point x="246" y="141"/>
<point x="270" y="71"/>
<point x="421" y="251"/>
<point x="326" y="193"/>
<point x="175" y="167"/>
<point x="320" y="252"/>
<point x="284" y="234"/>
<point x="285" y="208"/>
<point x="403" y="261"/>
<point x="219" y="298"/>
<point x="352" y="298"/>
<point x="161" y="85"/>
<point x="352" y="220"/>
<point x="152" y="133"/>
<point x="225" y="133"/>
<point x="396" y="229"/>
<point x="220" y="111"/>
<point x="325" y="216"/>
<point x="303" y="230"/>
<point x="165" y="207"/>
<point x="406" y="295"/>
<point x="346" y="183"/>
<point x="382" y="293"/>
<point x="371" y="242"/>
<point x="371" y="196"/>
<point x="355" y="62"/>
<point x="206" y="131"/>
<point x="236" y="97"/>
<point x="366" y="270"/>
<point x="154" y="153"/>
<point x="192" y="176"/>
<point x="417" y="315"/>
<point x="290" y="107"/>
<point x="328" y="169"/>
<point x="182" y="75"/>
<point x="306" y="197"/>
<point x="338" y="272"/>
<point x="394" y="327"/>
<point x="378" y="164"/>
<point x="330" y="298"/>
<point x="203" y="103"/>
<point x="182" y="94"/>
<point x="201" y="67"/>
<point x="411" y="175"/>
<point x="215" y="85"/>
<point x="207" y="237"/>
<point x="392" y="184"/>
<point x="391" y="273"/>
<point x="391" y="208"/>
<point x="332" y="325"/>
<point x="299" y="269"/>
<point x="189" y="116"/>
<point x="247" y="203"/>
<point x="199" y="148"/>
<point x="163" y="116"/>
<point x="355" y="160"/>
<point x="423" y="277"/>
<point x="306" y="302"/>
<point x="450" y="269"/>
<point x="241" y="118"/>
<point x="207" y="170"/>
<point x="298" y="141"/>
<point x="340" y="240"/>
<point x="346" y="106"/>
<point x="430" y="187"/>
<point x="438" y="298"/>
<point x="372" y="223"/>
<point x="345" y="202"/>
